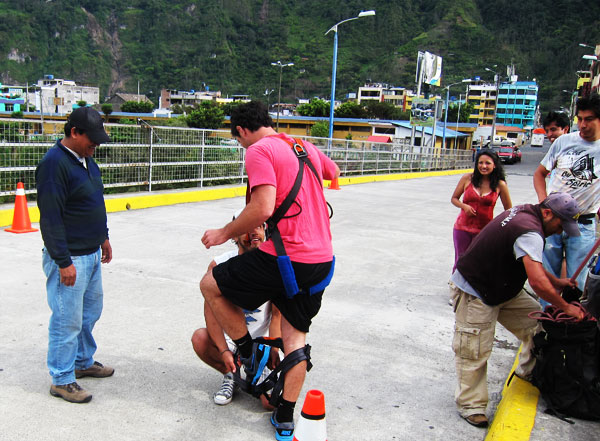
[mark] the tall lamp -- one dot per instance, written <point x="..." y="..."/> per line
<point x="334" y="28"/>
<point x="466" y="80"/>
<point x="281" y="66"/>
<point x="496" y="82"/>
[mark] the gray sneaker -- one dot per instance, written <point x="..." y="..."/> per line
<point x="71" y="392"/>
<point x="224" y="395"/>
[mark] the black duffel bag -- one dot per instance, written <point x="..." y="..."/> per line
<point x="567" y="369"/>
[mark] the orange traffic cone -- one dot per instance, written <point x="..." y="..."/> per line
<point x="311" y="425"/>
<point x="21" y="222"/>
<point x="334" y="184"/>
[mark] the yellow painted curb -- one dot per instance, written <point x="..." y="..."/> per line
<point x="122" y="203"/>
<point x="137" y="201"/>
<point x="516" y="412"/>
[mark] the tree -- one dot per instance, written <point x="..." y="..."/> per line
<point x="320" y="129"/>
<point x="135" y="107"/>
<point x="465" y="112"/>
<point x="379" y="110"/>
<point x="107" y="109"/>
<point x="350" y="109"/>
<point x="82" y="103"/>
<point x="228" y="107"/>
<point x="316" y="107"/>
<point x="207" y="115"/>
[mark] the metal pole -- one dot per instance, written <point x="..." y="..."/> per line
<point x="457" y="120"/>
<point x="419" y="81"/>
<point x="279" y="99"/>
<point x="496" y="77"/>
<point x="42" y="109"/>
<point x="446" y="116"/>
<point x="150" y="160"/>
<point x="332" y="102"/>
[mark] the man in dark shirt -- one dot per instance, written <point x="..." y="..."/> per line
<point x="488" y="288"/>
<point x="75" y="234"/>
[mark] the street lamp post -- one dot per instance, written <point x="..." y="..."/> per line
<point x="334" y="28"/>
<point x="281" y="66"/>
<point x="496" y="80"/>
<point x="268" y="93"/>
<point x="466" y="80"/>
<point x="457" y="119"/>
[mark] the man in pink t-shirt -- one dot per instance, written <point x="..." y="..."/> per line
<point x="249" y="280"/>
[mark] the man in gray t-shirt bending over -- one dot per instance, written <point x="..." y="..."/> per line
<point x="488" y="288"/>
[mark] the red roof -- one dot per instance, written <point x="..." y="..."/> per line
<point x="380" y="138"/>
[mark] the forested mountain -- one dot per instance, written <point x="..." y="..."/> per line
<point x="230" y="44"/>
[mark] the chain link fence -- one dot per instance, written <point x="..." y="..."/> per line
<point x="145" y="158"/>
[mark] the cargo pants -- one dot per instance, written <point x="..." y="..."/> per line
<point x="474" y="331"/>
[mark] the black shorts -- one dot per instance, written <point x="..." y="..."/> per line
<point x="252" y="278"/>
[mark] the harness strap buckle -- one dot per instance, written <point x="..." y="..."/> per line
<point x="299" y="150"/>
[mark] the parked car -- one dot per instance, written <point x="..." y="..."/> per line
<point x="507" y="152"/>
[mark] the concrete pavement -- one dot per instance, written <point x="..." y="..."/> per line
<point x="381" y="343"/>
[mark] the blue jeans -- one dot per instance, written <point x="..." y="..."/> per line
<point x="75" y="310"/>
<point x="575" y="250"/>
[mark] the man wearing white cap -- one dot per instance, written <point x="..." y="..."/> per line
<point x="489" y="281"/>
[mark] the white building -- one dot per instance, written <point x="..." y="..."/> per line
<point x="382" y="92"/>
<point x="56" y="95"/>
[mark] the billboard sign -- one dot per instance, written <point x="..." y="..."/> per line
<point x="422" y="112"/>
<point x="429" y="68"/>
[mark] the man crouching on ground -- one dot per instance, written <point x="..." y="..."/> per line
<point x="249" y="280"/>
<point x="216" y="348"/>
<point x="489" y="281"/>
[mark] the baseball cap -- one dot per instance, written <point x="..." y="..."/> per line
<point x="565" y="207"/>
<point x="90" y="121"/>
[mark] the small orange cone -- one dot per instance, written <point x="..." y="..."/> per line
<point x="334" y="184"/>
<point x="311" y="425"/>
<point x="21" y="222"/>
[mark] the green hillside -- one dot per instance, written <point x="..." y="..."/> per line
<point x="229" y="44"/>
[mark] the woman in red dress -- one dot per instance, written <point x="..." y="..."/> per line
<point x="480" y="191"/>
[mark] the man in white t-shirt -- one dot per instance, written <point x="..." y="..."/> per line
<point x="574" y="159"/>
<point x="214" y="346"/>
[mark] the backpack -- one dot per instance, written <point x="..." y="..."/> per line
<point x="567" y="369"/>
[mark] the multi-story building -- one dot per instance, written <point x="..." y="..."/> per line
<point x="185" y="98"/>
<point x="383" y="93"/>
<point x="517" y="103"/>
<point x="512" y="103"/>
<point x="55" y="95"/>
<point x="483" y="97"/>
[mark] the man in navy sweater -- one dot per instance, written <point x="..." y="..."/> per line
<point x="75" y="234"/>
